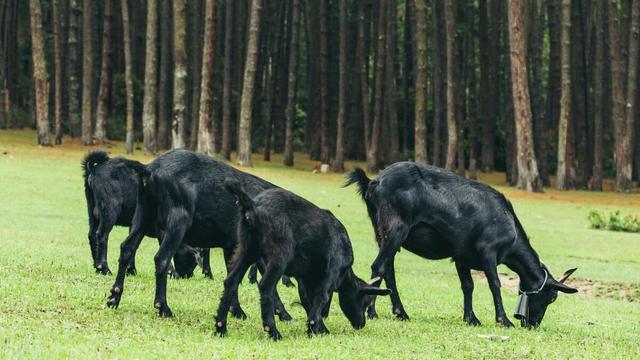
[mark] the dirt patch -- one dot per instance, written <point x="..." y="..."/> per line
<point x="590" y="288"/>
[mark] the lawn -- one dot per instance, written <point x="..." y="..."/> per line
<point x="53" y="305"/>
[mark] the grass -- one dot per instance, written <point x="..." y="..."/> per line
<point x="54" y="305"/>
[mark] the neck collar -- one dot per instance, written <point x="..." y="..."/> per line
<point x="546" y="276"/>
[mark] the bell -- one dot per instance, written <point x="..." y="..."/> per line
<point x="522" y="308"/>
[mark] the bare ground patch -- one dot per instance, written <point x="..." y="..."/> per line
<point x="590" y="288"/>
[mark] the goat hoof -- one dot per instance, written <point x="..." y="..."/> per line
<point x="505" y="323"/>
<point x="274" y="334"/>
<point x="103" y="270"/>
<point x="472" y="320"/>
<point x="286" y="281"/>
<point x="400" y="314"/>
<point x="221" y="328"/>
<point x="283" y="315"/>
<point x="237" y="312"/>
<point x="114" y="299"/>
<point x="208" y="274"/>
<point x="371" y="313"/>
<point x="316" y="328"/>
<point x="163" y="310"/>
<point x="131" y="271"/>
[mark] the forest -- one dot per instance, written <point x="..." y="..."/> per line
<point x="543" y="90"/>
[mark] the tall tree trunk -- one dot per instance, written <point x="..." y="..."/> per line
<point x="624" y="104"/>
<point x="87" y="72"/>
<point x="178" y="124"/>
<point x="128" y="75"/>
<point x="554" y="78"/>
<point x="536" y="51"/>
<point x="196" y="69"/>
<point x="580" y="110"/>
<point x="472" y="92"/>
<point x="206" y="128"/>
<point x="74" y="67"/>
<point x="40" y="75"/>
<point x="390" y="86"/>
<point x="106" y="73"/>
<point x="324" y="122"/>
<point x="228" y="75"/>
<point x="58" y="63"/>
<point x="342" y="88"/>
<point x="565" y="174"/>
<point x="246" y="107"/>
<point x="488" y="73"/>
<point x="150" y="80"/>
<point x="362" y="59"/>
<point x="439" y="68"/>
<point x="595" y="183"/>
<point x="164" y="86"/>
<point x="373" y="157"/>
<point x="420" y="137"/>
<point x="528" y="177"/>
<point x="452" y="129"/>
<point x="290" y="111"/>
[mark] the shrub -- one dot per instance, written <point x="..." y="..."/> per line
<point x="614" y="222"/>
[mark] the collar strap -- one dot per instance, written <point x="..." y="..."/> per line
<point x="546" y="276"/>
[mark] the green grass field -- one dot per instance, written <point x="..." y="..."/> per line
<point x="53" y="305"/>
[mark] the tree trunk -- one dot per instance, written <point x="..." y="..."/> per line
<point x="196" y="70"/>
<point x="624" y="104"/>
<point x="438" y="81"/>
<point x="150" y="80"/>
<point x="373" y="157"/>
<point x="40" y="75"/>
<point x="420" y="137"/>
<point x="291" y="89"/>
<point x="179" y="75"/>
<point x="324" y="122"/>
<point x="228" y="74"/>
<point x="595" y="183"/>
<point x="164" y="86"/>
<point x="452" y="129"/>
<point x="206" y="128"/>
<point x="128" y="75"/>
<point x="106" y="74"/>
<point x="536" y="52"/>
<point x="472" y="92"/>
<point x="488" y="80"/>
<point x="246" y="107"/>
<point x="362" y="59"/>
<point x="87" y="72"/>
<point x="391" y="87"/>
<point x="565" y="174"/>
<point x="528" y="177"/>
<point x="342" y="88"/>
<point x="580" y="110"/>
<point x="554" y="81"/>
<point x="58" y="63"/>
<point x="73" y="67"/>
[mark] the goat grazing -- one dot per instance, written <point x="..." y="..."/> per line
<point x="436" y="214"/>
<point x="111" y="187"/>
<point x="294" y="237"/>
<point x="182" y="197"/>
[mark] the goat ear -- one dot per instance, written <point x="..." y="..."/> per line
<point x="564" y="288"/>
<point x="566" y="275"/>
<point x="372" y="290"/>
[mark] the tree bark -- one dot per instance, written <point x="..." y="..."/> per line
<point x="420" y="137"/>
<point x="87" y="72"/>
<point x="472" y="92"/>
<point x="128" y="75"/>
<point x="40" y="75"/>
<point x="536" y="46"/>
<point x="150" y="80"/>
<point x="373" y="156"/>
<point x="528" y="177"/>
<point x="290" y="111"/>
<point x="342" y="88"/>
<point x="565" y="174"/>
<point x="206" y="128"/>
<point x="228" y="77"/>
<point x="73" y="67"/>
<point x="439" y="68"/>
<point x="106" y="74"/>
<point x="452" y="129"/>
<point x="196" y="69"/>
<point x="246" y="107"/>
<point x="595" y="183"/>
<point x="324" y="122"/>
<point x="58" y="63"/>
<point x="391" y="86"/>
<point x="580" y="109"/>
<point x="179" y="75"/>
<point x="362" y="58"/>
<point x="164" y="85"/>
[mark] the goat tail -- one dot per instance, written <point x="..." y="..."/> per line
<point x="246" y="204"/>
<point x="138" y="167"/>
<point x="93" y="160"/>
<point x="358" y="176"/>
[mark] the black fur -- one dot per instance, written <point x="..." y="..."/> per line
<point x="111" y="187"/>
<point x="183" y="198"/>
<point x="294" y="237"/>
<point x="437" y="214"/>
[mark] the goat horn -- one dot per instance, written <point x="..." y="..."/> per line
<point x="374" y="280"/>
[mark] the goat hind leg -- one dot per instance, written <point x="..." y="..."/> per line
<point x="127" y="252"/>
<point x="267" y="288"/>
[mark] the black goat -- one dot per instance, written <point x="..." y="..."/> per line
<point x="183" y="198"/>
<point x="294" y="237"/>
<point x="111" y="187"/>
<point x="436" y="214"/>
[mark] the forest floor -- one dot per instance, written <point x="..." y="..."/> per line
<point x="53" y="305"/>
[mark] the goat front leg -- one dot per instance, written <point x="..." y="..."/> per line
<point x="466" y="283"/>
<point x="127" y="252"/>
<point x="206" y="264"/>
<point x="491" y="272"/>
